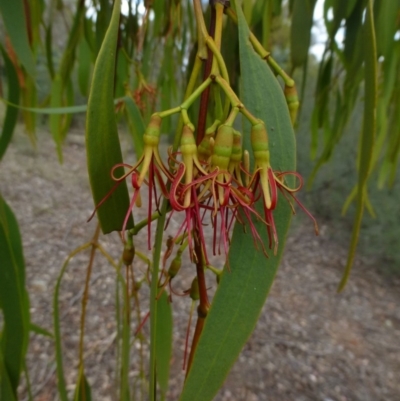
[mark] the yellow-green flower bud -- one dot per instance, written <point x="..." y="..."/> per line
<point x="188" y="142"/>
<point x="151" y="136"/>
<point x="205" y="148"/>
<point x="237" y="150"/>
<point x="128" y="254"/>
<point x="223" y="147"/>
<point x="194" y="290"/>
<point x="175" y="266"/>
<point x="259" y="143"/>
<point x="292" y="101"/>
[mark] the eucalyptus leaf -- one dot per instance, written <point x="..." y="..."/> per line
<point x="14" y="302"/>
<point x="164" y="342"/>
<point x="13" y="13"/>
<point x="11" y="116"/>
<point x="368" y="133"/>
<point x="102" y="143"/>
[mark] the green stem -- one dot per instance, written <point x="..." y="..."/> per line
<point x="135" y="230"/>
<point x="217" y="54"/>
<point x="169" y="112"/>
<point x="263" y="53"/>
<point x="232" y="116"/>
<point x="192" y="83"/>
<point x="228" y="91"/>
<point x="153" y="299"/>
<point x="189" y="101"/>
<point x="219" y="13"/>
<point x="201" y="29"/>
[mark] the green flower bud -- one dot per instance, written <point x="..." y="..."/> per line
<point x="151" y="136"/>
<point x="237" y="149"/>
<point x="128" y="254"/>
<point x="175" y="266"/>
<point x="292" y="101"/>
<point x="259" y="143"/>
<point x="223" y="147"/>
<point x="194" y="290"/>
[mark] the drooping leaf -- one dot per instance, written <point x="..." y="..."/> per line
<point x="14" y="20"/>
<point x="300" y="33"/>
<point x="136" y="125"/>
<point x="102" y="142"/>
<point x="56" y="119"/>
<point x="11" y="115"/>
<point x="368" y="133"/>
<point x="84" y="66"/>
<point x="163" y="342"/>
<point x="34" y="328"/>
<point x="242" y="291"/>
<point x="14" y="302"/>
<point x="61" y="384"/>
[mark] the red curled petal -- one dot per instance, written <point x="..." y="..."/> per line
<point x="134" y="180"/>
<point x="290" y="173"/>
<point x="272" y="185"/>
<point x="176" y="183"/>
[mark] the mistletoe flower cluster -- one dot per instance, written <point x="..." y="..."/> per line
<point x="211" y="184"/>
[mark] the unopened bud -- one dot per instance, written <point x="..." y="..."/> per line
<point x="151" y="136"/>
<point x="236" y="155"/>
<point x="259" y="143"/>
<point x="223" y="147"/>
<point x="128" y="254"/>
<point x="194" y="290"/>
<point x="175" y="266"/>
<point x="292" y="101"/>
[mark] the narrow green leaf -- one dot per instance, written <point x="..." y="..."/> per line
<point x="61" y="384"/>
<point x="126" y="344"/>
<point x="136" y="125"/>
<point x="11" y="116"/>
<point x="164" y="342"/>
<point x="102" y="142"/>
<point x="242" y="291"/>
<point x="56" y="119"/>
<point x="15" y="23"/>
<point x="34" y="328"/>
<point x="84" y="66"/>
<point x="13" y="301"/>
<point x="387" y="14"/>
<point x="6" y="390"/>
<point x="368" y="133"/>
<point x="57" y="110"/>
<point x="122" y="73"/>
<point x="300" y="32"/>
<point x="49" y="51"/>
<point x="82" y="389"/>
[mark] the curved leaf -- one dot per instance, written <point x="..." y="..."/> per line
<point x="102" y="142"/>
<point x="164" y="342"/>
<point x="368" y="133"/>
<point x="242" y="292"/>
<point x="300" y="32"/>
<point x="15" y="23"/>
<point x="136" y="125"/>
<point x="12" y="113"/>
<point x="13" y="301"/>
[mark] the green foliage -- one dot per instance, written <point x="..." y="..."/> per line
<point x="133" y="65"/>
<point x="14" y="303"/>
<point x="102" y="143"/>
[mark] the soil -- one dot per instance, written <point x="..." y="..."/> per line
<point x="309" y="344"/>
